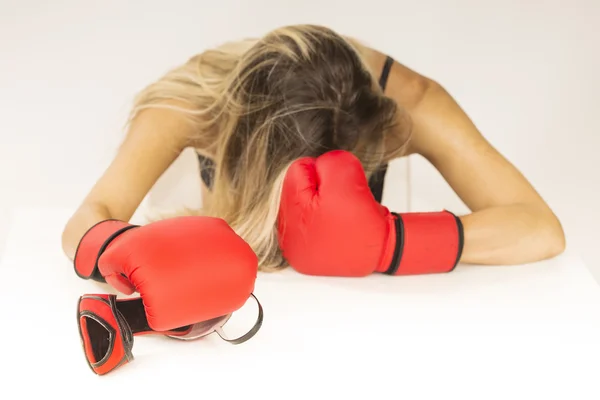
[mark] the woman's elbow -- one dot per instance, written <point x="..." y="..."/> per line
<point x="554" y="236"/>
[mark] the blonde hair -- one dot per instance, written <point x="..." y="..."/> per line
<point x="259" y="104"/>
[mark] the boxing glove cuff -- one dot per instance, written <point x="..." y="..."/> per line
<point x="106" y="337"/>
<point x="426" y="243"/>
<point x="92" y="245"/>
<point x="107" y="327"/>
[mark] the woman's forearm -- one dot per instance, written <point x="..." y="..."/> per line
<point x="83" y="219"/>
<point x="509" y="235"/>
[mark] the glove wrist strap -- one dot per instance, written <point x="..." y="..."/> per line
<point x="399" y="245"/>
<point x="134" y="313"/>
<point x="92" y="245"/>
<point x="217" y="325"/>
<point x="248" y="335"/>
<point x="426" y="243"/>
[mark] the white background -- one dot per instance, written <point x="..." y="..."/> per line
<point x="525" y="71"/>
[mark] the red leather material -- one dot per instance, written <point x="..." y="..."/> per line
<point x="121" y="283"/>
<point x="431" y="243"/>
<point x="90" y="245"/>
<point x="329" y="221"/>
<point x="106" y="341"/>
<point x="186" y="269"/>
<point x="331" y="225"/>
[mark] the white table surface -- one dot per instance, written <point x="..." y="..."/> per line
<point x="527" y="332"/>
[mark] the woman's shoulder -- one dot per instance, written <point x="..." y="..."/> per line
<point x="374" y="60"/>
<point x="404" y="84"/>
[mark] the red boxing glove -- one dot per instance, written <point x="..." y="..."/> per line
<point x="186" y="269"/>
<point x="107" y="327"/>
<point x="330" y="224"/>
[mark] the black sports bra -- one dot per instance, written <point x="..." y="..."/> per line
<point x="207" y="166"/>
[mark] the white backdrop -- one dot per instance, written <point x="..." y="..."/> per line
<point x="525" y="71"/>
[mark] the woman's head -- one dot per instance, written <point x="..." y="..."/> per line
<point x="298" y="91"/>
<point x="302" y="91"/>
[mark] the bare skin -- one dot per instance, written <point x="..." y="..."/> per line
<point x="509" y="222"/>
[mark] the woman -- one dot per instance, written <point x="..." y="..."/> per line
<point x="251" y="108"/>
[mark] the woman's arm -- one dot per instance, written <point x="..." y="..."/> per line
<point x="509" y="222"/>
<point x="154" y="140"/>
